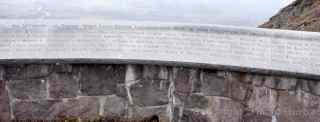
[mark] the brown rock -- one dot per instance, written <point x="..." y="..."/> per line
<point x="301" y="15"/>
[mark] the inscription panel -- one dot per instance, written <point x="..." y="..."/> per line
<point x="216" y="45"/>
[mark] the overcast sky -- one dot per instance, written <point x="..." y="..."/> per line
<point x="226" y="12"/>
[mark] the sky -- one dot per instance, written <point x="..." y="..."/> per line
<point x="224" y="12"/>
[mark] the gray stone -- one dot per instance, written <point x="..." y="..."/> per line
<point x="193" y="101"/>
<point x="4" y="103"/>
<point x="311" y="86"/>
<point x="63" y="85"/>
<point x="85" y="107"/>
<point x="115" y="106"/>
<point x="28" y="89"/>
<point x="239" y="90"/>
<point x="35" y="110"/>
<point x="263" y="100"/>
<point x="258" y="80"/>
<point x="30" y="71"/>
<point x="281" y="83"/>
<point x="196" y="101"/>
<point x="61" y="68"/>
<point x="193" y="116"/>
<point x="195" y="78"/>
<point x="164" y="73"/>
<point x="226" y="110"/>
<point x="181" y="80"/>
<point x="255" y="117"/>
<point x="151" y="72"/>
<point x="101" y="79"/>
<point x="187" y="80"/>
<point x="150" y="92"/>
<point x="298" y="107"/>
<point x="213" y="85"/>
<point x="147" y="112"/>
<point x="134" y="73"/>
<point x="287" y="83"/>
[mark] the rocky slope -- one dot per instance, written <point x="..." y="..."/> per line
<point x="301" y="15"/>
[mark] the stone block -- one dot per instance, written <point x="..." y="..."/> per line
<point x="195" y="101"/>
<point x="115" y="107"/>
<point x="214" y="85"/>
<point x="164" y="73"/>
<point x="193" y="116"/>
<point x="226" y="110"/>
<point x="311" y="86"/>
<point x="298" y="107"/>
<point x="45" y="110"/>
<point x="147" y="112"/>
<point x="239" y="90"/>
<point x="255" y="117"/>
<point x="5" y="115"/>
<point x="101" y="79"/>
<point x="281" y="83"/>
<point x="151" y="72"/>
<point x="181" y="80"/>
<point x="28" y="89"/>
<point x="63" y="85"/>
<point x="263" y="100"/>
<point x="28" y="71"/>
<point x="150" y="92"/>
<point x="133" y="73"/>
<point x="85" y="107"/>
<point x="61" y="68"/>
<point x="192" y="101"/>
<point x="258" y="80"/>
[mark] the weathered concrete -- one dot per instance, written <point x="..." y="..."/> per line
<point x="160" y="43"/>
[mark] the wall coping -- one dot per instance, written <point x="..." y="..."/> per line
<point x="242" y="49"/>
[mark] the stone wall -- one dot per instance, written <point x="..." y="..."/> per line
<point x="178" y="94"/>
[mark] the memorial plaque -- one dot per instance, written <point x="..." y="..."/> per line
<point x="161" y="43"/>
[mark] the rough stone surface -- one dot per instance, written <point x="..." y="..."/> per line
<point x="61" y="68"/>
<point x="63" y="85"/>
<point x="34" y="110"/>
<point x="193" y="116"/>
<point x="182" y="80"/>
<point x="226" y="110"/>
<point x="214" y="85"/>
<point x="311" y="86"/>
<point x="115" y="106"/>
<point x="28" y="89"/>
<point x="298" y="107"/>
<point x="101" y="79"/>
<point x="86" y="108"/>
<point x="176" y="94"/>
<point x="255" y="117"/>
<point x="143" y="112"/>
<point x="239" y="90"/>
<point x="301" y="15"/>
<point x="150" y="92"/>
<point x="263" y="101"/>
<point x="4" y="103"/>
<point x="29" y="71"/>
<point x="281" y="83"/>
<point x="195" y="101"/>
